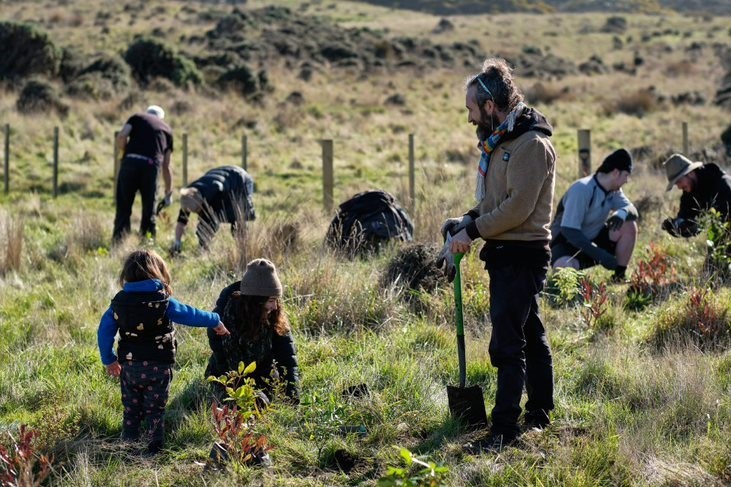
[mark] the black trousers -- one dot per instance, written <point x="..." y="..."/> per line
<point x="135" y="175"/>
<point x="519" y="347"/>
<point x="145" y="392"/>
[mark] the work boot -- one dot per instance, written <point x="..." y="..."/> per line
<point x="536" y="421"/>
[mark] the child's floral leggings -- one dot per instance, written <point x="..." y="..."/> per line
<point x="145" y="391"/>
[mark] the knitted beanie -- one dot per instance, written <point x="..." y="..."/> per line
<point x="260" y="279"/>
<point x="620" y="159"/>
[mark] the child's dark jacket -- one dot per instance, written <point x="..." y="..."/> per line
<point x="144" y="314"/>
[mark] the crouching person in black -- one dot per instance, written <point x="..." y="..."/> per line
<point x="222" y="195"/>
<point x="252" y="311"/>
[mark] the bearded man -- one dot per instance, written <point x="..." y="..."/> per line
<point x="514" y="193"/>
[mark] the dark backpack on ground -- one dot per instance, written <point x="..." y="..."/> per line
<point x="367" y="221"/>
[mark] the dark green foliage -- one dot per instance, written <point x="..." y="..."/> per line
<point x="150" y="58"/>
<point x="26" y="50"/>
<point x="103" y="78"/>
<point x="242" y="79"/>
<point x="40" y="97"/>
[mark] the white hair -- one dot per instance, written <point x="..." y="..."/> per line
<point x="157" y="111"/>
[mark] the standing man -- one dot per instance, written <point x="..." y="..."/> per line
<point x="514" y="191"/>
<point x="582" y="234"/>
<point x="146" y="143"/>
<point x="704" y="186"/>
<point x="222" y="195"/>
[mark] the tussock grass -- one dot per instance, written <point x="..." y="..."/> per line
<point x="11" y="240"/>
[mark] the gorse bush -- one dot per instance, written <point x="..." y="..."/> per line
<point x="150" y="58"/>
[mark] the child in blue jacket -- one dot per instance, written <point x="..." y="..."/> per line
<point x="143" y="313"/>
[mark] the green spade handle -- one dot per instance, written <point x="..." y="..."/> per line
<point x="460" y="320"/>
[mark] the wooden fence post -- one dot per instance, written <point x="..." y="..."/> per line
<point x="55" y="162"/>
<point x="584" y="136"/>
<point x="686" y="145"/>
<point x="412" y="177"/>
<point x="6" y="174"/>
<point x="116" y="164"/>
<point x="328" y="180"/>
<point x="185" y="159"/>
<point x="244" y="152"/>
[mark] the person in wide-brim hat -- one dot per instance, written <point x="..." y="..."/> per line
<point x="678" y="166"/>
<point x="704" y="186"/>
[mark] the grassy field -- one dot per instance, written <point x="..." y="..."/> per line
<point x="643" y="395"/>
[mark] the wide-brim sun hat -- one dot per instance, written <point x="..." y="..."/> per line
<point x="677" y="166"/>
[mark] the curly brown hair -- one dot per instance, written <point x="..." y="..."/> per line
<point x="141" y="265"/>
<point x="245" y="315"/>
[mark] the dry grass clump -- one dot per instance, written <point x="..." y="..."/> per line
<point x="88" y="232"/>
<point x="11" y="239"/>
<point x="545" y="93"/>
<point x="638" y="103"/>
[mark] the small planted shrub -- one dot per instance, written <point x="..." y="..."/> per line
<point x="20" y="462"/>
<point x="702" y="318"/>
<point x="233" y="425"/>
<point x="650" y="281"/>
<point x="415" y="473"/>
<point x="718" y="243"/>
<point x="564" y="286"/>
<point x="595" y="303"/>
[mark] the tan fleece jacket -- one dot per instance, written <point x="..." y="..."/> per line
<point x="519" y="190"/>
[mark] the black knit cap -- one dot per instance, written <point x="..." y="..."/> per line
<point x="620" y="159"/>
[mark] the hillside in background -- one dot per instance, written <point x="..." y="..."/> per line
<point x="472" y="7"/>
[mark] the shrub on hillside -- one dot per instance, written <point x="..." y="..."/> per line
<point x="25" y="50"/>
<point x="615" y="25"/>
<point x="40" y="97"/>
<point x="150" y="58"/>
<point x="244" y="80"/>
<point x="103" y="78"/>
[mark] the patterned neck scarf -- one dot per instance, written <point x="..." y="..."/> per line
<point x="488" y="145"/>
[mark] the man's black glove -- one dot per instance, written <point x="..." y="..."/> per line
<point x="614" y="222"/>
<point x="680" y="227"/>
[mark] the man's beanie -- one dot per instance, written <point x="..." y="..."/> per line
<point x="260" y="279"/>
<point x="620" y="159"/>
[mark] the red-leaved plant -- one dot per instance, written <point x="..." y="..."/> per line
<point x="20" y="463"/>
